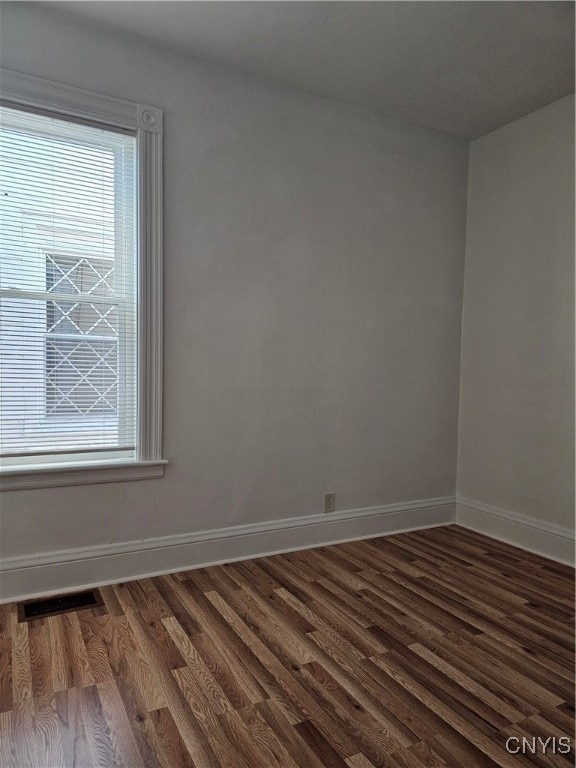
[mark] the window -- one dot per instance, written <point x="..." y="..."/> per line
<point x="80" y="286"/>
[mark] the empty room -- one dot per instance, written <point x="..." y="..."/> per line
<point x="287" y="438"/>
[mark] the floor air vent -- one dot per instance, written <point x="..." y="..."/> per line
<point x="28" y="610"/>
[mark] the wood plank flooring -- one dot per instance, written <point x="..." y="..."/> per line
<point x="428" y="648"/>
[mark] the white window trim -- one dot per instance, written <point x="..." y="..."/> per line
<point x="19" y="90"/>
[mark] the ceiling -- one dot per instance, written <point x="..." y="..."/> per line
<point x="466" y="68"/>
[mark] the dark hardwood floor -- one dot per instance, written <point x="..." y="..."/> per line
<point x="428" y="648"/>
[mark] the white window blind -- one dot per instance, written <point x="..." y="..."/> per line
<point x="68" y="287"/>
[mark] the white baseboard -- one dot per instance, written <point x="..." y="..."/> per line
<point x="74" y="569"/>
<point x="546" y="539"/>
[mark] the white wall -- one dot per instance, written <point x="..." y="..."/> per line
<point x="516" y="441"/>
<point x="313" y="267"/>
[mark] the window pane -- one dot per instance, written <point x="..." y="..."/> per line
<point x="67" y="286"/>
<point x="79" y="274"/>
<point x="82" y="377"/>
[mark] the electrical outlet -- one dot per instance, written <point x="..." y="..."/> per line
<point x="329" y="502"/>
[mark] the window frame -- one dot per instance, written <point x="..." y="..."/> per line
<point x="21" y="91"/>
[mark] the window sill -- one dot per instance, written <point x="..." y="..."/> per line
<point x="51" y="475"/>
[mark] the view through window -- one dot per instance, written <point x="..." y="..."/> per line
<point x="68" y="282"/>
